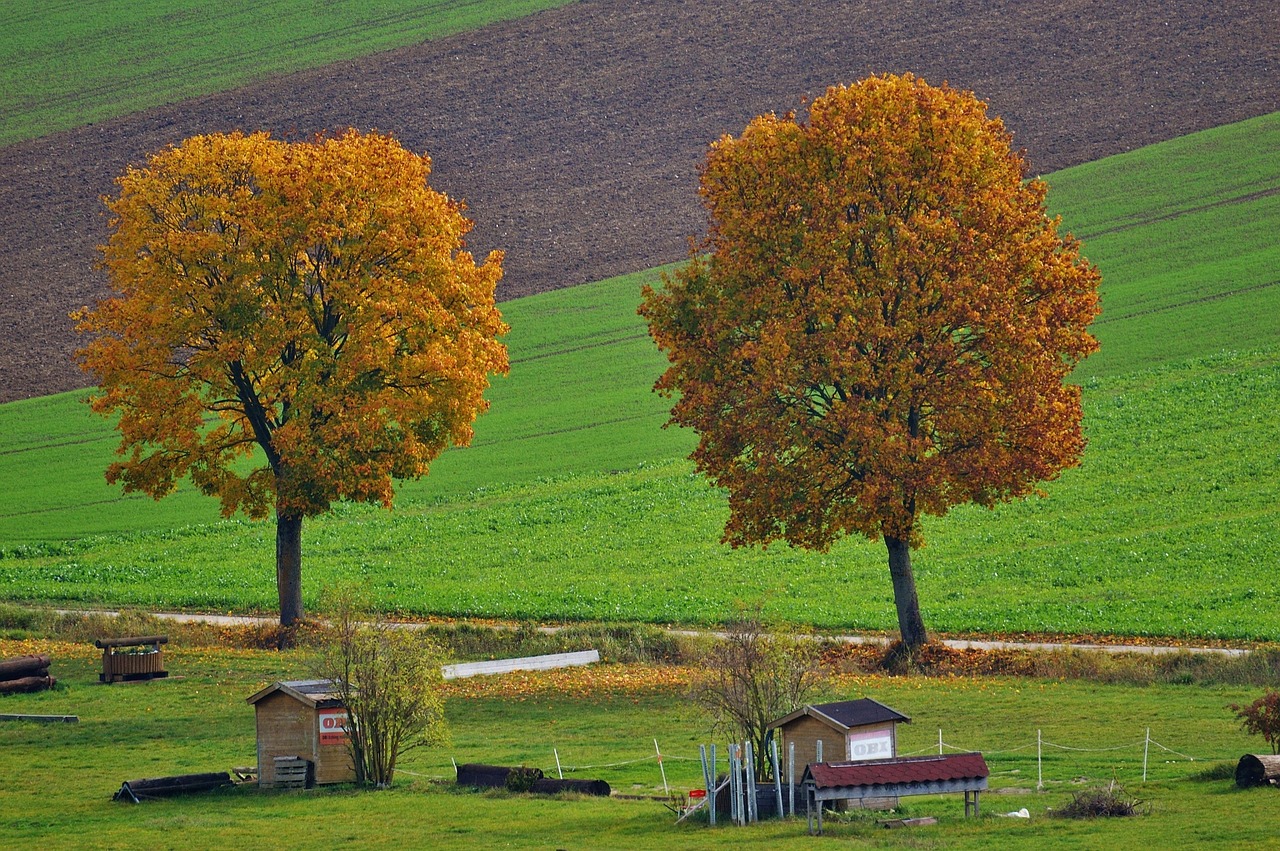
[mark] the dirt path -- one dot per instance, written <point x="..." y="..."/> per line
<point x="953" y="643"/>
<point x="574" y="135"/>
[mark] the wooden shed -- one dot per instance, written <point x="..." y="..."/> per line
<point x="302" y="734"/>
<point x="849" y="730"/>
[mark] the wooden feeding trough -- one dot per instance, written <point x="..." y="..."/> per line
<point x="893" y="778"/>
<point x="302" y="735"/>
<point x="139" y="658"/>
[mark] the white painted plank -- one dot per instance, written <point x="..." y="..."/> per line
<point x="525" y="663"/>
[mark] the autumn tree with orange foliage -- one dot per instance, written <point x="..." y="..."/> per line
<point x="881" y="326"/>
<point x="293" y="324"/>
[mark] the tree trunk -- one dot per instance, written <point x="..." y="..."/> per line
<point x="289" y="568"/>
<point x="910" y="624"/>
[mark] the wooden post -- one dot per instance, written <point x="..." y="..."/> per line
<point x="1039" y="762"/>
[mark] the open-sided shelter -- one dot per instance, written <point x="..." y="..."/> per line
<point x="302" y="724"/>
<point x="879" y="779"/>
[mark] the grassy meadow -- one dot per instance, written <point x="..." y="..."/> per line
<point x="64" y="64"/>
<point x="602" y="722"/>
<point x="573" y="503"/>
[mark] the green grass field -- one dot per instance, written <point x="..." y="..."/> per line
<point x="64" y="64"/>
<point x="1093" y="733"/>
<point x="574" y="503"/>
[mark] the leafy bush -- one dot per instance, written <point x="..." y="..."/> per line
<point x="1262" y="718"/>
<point x="522" y="779"/>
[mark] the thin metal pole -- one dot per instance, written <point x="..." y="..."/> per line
<point x="1146" y="748"/>
<point x="558" y="769"/>
<point x="702" y="757"/>
<point x="711" y="786"/>
<point x="749" y="781"/>
<point x="791" y="774"/>
<point x="777" y="775"/>
<point x="661" y="768"/>
<point x="939" y="741"/>
<point x="735" y="781"/>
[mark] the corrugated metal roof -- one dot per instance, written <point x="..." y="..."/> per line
<point x="923" y="769"/>
<point x="311" y="692"/>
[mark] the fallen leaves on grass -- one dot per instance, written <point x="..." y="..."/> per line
<point x="592" y="681"/>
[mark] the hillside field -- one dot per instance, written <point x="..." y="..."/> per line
<point x="573" y="133"/>
<point x="575" y="504"/>
<point x="67" y="64"/>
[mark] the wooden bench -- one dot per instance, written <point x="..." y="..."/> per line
<point x="138" y="658"/>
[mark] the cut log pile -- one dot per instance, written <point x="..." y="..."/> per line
<point x="25" y="673"/>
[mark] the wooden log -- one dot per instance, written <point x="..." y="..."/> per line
<point x="478" y="774"/>
<point x="104" y="643"/>
<point x="160" y="787"/>
<point x="24" y="666"/>
<point x="552" y="786"/>
<point x="26" y="684"/>
<point x="1257" y="770"/>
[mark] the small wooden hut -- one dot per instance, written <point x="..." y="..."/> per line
<point x="848" y="729"/>
<point x="302" y="734"/>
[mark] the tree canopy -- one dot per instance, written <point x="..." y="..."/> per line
<point x="293" y="323"/>
<point x="880" y="325"/>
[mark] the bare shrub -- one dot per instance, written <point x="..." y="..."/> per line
<point x="1107" y="801"/>
<point x="754" y="676"/>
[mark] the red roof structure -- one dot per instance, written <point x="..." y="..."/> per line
<point x="882" y="772"/>
<point x="883" y="778"/>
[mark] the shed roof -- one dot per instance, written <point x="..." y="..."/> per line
<point x="844" y="715"/>
<point x="883" y="772"/>
<point x="314" y="693"/>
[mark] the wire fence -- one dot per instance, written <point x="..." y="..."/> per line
<point x="1145" y="744"/>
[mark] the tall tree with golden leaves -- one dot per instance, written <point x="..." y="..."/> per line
<point x="293" y="324"/>
<point x="882" y="327"/>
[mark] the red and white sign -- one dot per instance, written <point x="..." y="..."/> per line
<point x="871" y="744"/>
<point x="333" y="726"/>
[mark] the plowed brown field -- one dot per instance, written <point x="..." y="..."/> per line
<point x="575" y="135"/>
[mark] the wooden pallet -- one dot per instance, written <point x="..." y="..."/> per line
<point x="291" y="772"/>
